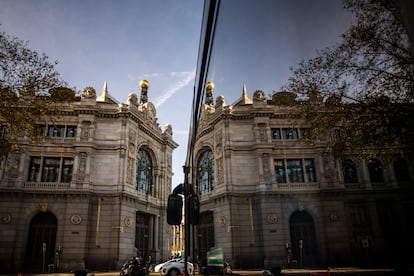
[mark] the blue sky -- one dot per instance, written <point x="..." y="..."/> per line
<point x="125" y="41"/>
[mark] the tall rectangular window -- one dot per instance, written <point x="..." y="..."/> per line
<point x="50" y="169"/>
<point x="310" y="170"/>
<point x="290" y="133"/>
<point x="276" y="134"/>
<point x="67" y="168"/>
<point x="34" y="169"/>
<point x="280" y="171"/>
<point x="70" y="131"/>
<point x="59" y="130"/>
<point x="294" y="170"/>
<point x="56" y="131"/>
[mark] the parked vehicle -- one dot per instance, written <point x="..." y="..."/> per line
<point x="157" y="268"/>
<point x="176" y="268"/>
<point x="216" y="265"/>
<point x="216" y="270"/>
<point x="134" y="267"/>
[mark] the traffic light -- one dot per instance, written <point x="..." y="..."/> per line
<point x="288" y="248"/>
<point x="174" y="209"/>
<point x="193" y="209"/>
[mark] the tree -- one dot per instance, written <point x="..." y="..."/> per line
<point x="366" y="82"/>
<point x="29" y="87"/>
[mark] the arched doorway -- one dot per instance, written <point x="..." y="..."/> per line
<point x="302" y="235"/>
<point x="41" y="242"/>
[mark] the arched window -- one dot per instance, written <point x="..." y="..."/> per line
<point x="205" y="170"/>
<point x="144" y="172"/>
<point x="350" y="172"/>
<point x="375" y="171"/>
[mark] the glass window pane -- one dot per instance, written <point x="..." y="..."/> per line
<point x="310" y="170"/>
<point x="206" y="172"/>
<point x="295" y="170"/>
<point x="276" y="133"/>
<point x="56" y="131"/>
<point x="34" y="170"/>
<point x="67" y="166"/>
<point x="290" y="133"/>
<point x="50" y="171"/>
<point x="349" y="171"/>
<point x="280" y="171"/>
<point x="71" y="131"/>
<point x="144" y="172"/>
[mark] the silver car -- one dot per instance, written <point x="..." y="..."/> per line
<point x="176" y="268"/>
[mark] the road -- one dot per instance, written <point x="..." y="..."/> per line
<point x="294" y="272"/>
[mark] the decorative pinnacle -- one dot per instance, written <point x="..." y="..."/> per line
<point x="144" y="84"/>
<point x="210" y="86"/>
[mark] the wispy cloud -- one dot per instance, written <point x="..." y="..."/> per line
<point x="182" y="74"/>
<point x="184" y="78"/>
<point x="176" y="81"/>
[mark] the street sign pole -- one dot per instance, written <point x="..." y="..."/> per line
<point x="186" y="224"/>
<point x="43" y="256"/>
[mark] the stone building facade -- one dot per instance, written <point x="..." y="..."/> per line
<point x="269" y="198"/>
<point x="90" y="190"/>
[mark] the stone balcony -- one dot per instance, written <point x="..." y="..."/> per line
<point x="46" y="186"/>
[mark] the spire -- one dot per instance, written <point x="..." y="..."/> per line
<point x="245" y="99"/>
<point x="105" y="88"/>
<point x="104" y="95"/>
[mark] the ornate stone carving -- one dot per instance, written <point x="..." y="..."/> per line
<point x="333" y="217"/>
<point x="168" y="129"/>
<point x="130" y="172"/>
<point x="259" y="96"/>
<point x="133" y="99"/>
<point x="43" y="207"/>
<point x="88" y="93"/>
<point x="82" y="165"/>
<point x="272" y="219"/>
<point x="12" y="165"/>
<point x="127" y="221"/>
<point x="222" y="221"/>
<point x="5" y="218"/>
<point x="220" y="174"/>
<point x="152" y="113"/>
<point x="75" y="219"/>
<point x="266" y="169"/>
<point x="220" y="101"/>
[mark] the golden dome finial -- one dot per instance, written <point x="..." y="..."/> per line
<point x="144" y="84"/>
<point x="210" y="86"/>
